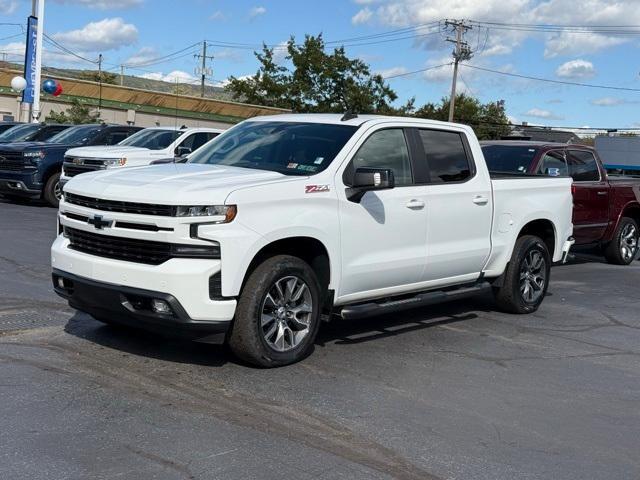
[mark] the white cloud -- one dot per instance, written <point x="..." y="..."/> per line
<point x="363" y="16"/>
<point x="257" y="11"/>
<point x="172" y="77"/>
<point x="391" y="72"/>
<point x="50" y="55"/>
<point x="280" y="52"/>
<point x="541" y="113"/>
<point x="568" y="43"/>
<point x="103" y="4"/>
<point x="8" y="7"/>
<point x="611" y="102"/>
<point x="218" y="15"/>
<point x="144" y="55"/>
<point x="576" y="69"/>
<point x="107" y="34"/>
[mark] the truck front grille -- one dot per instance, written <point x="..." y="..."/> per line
<point x="12" y="161"/>
<point x="118" y="206"/>
<point x="135" y="250"/>
<point x="71" y="170"/>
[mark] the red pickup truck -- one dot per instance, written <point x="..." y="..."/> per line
<point x="606" y="210"/>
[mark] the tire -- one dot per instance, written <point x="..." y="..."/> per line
<point x="525" y="279"/>
<point x="262" y="308"/>
<point x="52" y="190"/>
<point x="623" y="248"/>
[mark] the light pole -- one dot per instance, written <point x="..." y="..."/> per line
<point x="35" y="115"/>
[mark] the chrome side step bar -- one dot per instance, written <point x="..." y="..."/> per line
<point x="361" y="310"/>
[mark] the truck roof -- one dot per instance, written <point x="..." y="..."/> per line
<point x="534" y="143"/>
<point x="336" y="119"/>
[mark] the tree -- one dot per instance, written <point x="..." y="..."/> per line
<point x="489" y="120"/>
<point x="77" y="113"/>
<point x="318" y="81"/>
<point x="95" y="76"/>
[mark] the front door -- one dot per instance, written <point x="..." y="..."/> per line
<point x="590" y="197"/>
<point x="383" y="236"/>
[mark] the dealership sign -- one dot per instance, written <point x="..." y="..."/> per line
<point x="30" y="60"/>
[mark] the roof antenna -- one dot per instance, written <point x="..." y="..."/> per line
<point x="348" y="115"/>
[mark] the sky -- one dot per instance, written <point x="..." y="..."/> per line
<point x="141" y="33"/>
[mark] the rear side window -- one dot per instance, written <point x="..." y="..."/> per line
<point x="446" y="156"/>
<point x="386" y="149"/>
<point x="196" y="140"/>
<point x="553" y="164"/>
<point x="116" y="136"/>
<point x="583" y="166"/>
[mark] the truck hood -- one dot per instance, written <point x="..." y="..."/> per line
<point x="171" y="184"/>
<point x="112" y="151"/>
<point x="23" y="146"/>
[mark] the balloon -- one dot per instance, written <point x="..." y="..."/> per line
<point x="58" y="90"/>
<point x="49" y="86"/>
<point x="18" y="84"/>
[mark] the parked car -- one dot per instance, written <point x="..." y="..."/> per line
<point x="31" y="132"/>
<point x="156" y="143"/>
<point x="32" y="169"/>
<point x="606" y="210"/>
<point x="4" y="126"/>
<point x="284" y="217"/>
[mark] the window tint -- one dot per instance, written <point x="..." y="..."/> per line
<point x="582" y="166"/>
<point x="386" y="149"/>
<point x="152" y="138"/>
<point x="196" y="140"/>
<point x="116" y="136"/>
<point x="446" y="156"/>
<point x="46" y="133"/>
<point x="509" y="158"/>
<point x="554" y="165"/>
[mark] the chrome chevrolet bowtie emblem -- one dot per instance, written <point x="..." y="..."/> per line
<point x="98" y="222"/>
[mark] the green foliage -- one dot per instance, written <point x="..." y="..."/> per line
<point x="318" y="81"/>
<point x="489" y="120"/>
<point x="95" y="76"/>
<point x="77" y="113"/>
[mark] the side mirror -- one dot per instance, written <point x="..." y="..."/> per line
<point x="182" y="151"/>
<point x="368" y="179"/>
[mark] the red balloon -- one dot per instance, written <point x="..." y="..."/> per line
<point x="58" y="89"/>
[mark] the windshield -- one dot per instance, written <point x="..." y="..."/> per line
<point x="153" y="139"/>
<point x="509" y="158"/>
<point x="79" y="135"/>
<point x="285" y="147"/>
<point x="19" y="133"/>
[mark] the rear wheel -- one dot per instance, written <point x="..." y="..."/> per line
<point x="624" y="246"/>
<point x="52" y="190"/>
<point x="527" y="277"/>
<point x="278" y="313"/>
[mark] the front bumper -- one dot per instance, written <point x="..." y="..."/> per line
<point x="20" y="183"/>
<point x="185" y="279"/>
<point x="132" y="307"/>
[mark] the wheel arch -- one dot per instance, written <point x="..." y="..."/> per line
<point x="544" y="229"/>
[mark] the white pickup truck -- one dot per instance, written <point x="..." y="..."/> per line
<point x="283" y="218"/>
<point x="141" y="148"/>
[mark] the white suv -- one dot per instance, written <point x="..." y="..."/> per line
<point x="142" y="148"/>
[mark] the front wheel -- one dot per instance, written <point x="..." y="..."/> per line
<point x="53" y="190"/>
<point x="278" y="313"/>
<point x="624" y="246"/>
<point x="527" y="277"/>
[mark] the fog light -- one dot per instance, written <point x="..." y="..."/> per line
<point x="160" y="306"/>
<point x="60" y="282"/>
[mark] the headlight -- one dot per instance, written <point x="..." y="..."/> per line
<point x="115" y="162"/>
<point x="36" y="154"/>
<point x="220" y="213"/>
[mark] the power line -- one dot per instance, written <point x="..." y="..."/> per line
<point x="549" y="80"/>
<point x="461" y="53"/>
<point x="404" y="74"/>
<point x="64" y="49"/>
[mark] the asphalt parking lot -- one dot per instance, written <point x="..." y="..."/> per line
<point x="457" y="391"/>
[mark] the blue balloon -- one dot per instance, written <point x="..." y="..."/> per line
<point x="49" y="86"/>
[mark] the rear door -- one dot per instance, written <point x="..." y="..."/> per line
<point x="590" y="197"/>
<point x="459" y="207"/>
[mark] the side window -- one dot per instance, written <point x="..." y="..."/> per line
<point x="554" y="164"/>
<point x="583" y="166"/>
<point x="199" y="139"/>
<point x="446" y="156"/>
<point x="386" y="149"/>
<point x="112" y="137"/>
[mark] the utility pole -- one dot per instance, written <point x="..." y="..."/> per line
<point x="461" y="52"/>
<point x="121" y="75"/>
<point x="203" y="71"/>
<point x="99" y="82"/>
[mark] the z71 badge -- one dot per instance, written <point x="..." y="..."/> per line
<point x="316" y="188"/>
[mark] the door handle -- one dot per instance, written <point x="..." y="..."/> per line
<point x="603" y="193"/>
<point x="480" y="200"/>
<point x="415" y="204"/>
